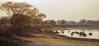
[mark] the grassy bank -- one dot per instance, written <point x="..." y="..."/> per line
<point x="9" y="36"/>
<point x="53" y="40"/>
<point x="30" y="36"/>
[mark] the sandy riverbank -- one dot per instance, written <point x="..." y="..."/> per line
<point x="54" y="40"/>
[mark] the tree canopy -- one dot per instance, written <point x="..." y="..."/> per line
<point x="19" y="12"/>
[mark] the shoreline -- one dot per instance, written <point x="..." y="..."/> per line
<point x="81" y="39"/>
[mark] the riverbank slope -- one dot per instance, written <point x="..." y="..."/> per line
<point x="53" y="40"/>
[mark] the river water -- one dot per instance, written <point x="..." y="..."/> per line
<point x="94" y="35"/>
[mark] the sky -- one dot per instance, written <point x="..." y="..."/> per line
<point x="65" y="9"/>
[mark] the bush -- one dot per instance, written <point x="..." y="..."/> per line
<point x="49" y="31"/>
<point x="3" y="29"/>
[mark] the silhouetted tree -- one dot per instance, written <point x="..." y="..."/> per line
<point x="51" y="22"/>
<point x="38" y="18"/>
<point x="22" y="20"/>
<point x="18" y="12"/>
<point x="93" y="22"/>
<point x="82" y="21"/>
<point x="61" y="22"/>
<point x="15" y="10"/>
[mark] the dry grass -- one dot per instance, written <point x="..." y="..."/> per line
<point x="52" y="40"/>
<point x="41" y="39"/>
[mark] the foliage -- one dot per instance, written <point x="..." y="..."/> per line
<point x="52" y="22"/>
<point x="20" y="19"/>
<point x="21" y="12"/>
<point x="61" y="21"/>
<point x="4" y="20"/>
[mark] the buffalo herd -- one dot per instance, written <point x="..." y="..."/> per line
<point x="75" y="32"/>
<point x="81" y="34"/>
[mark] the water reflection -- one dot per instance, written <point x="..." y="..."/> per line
<point x="81" y="33"/>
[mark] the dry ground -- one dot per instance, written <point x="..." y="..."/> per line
<point x="52" y="40"/>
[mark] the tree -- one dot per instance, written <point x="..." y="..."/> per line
<point x="52" y="22"/>
<point x="37" y="17"/>
<point x="23" y="19"/>
<point x="82" y="21"/>
<point x="18" y="12"/>
<point x="15" y="10"/>
<point x="61" y="22"/>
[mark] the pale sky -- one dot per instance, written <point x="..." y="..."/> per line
<point x="65" y="9"/>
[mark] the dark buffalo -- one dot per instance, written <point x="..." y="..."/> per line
<point x="56" y="32"/>
<point x="62" y="32"/>
<point x="90" y="34"/>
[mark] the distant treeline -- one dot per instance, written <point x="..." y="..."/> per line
<point x="82" y="22"/>
<point x="76" y="26"/>
<point x="64" y="23"/>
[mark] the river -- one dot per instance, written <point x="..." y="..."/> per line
<point x="71" y="33"/>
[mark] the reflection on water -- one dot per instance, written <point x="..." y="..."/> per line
<point x="81" y="33"/>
